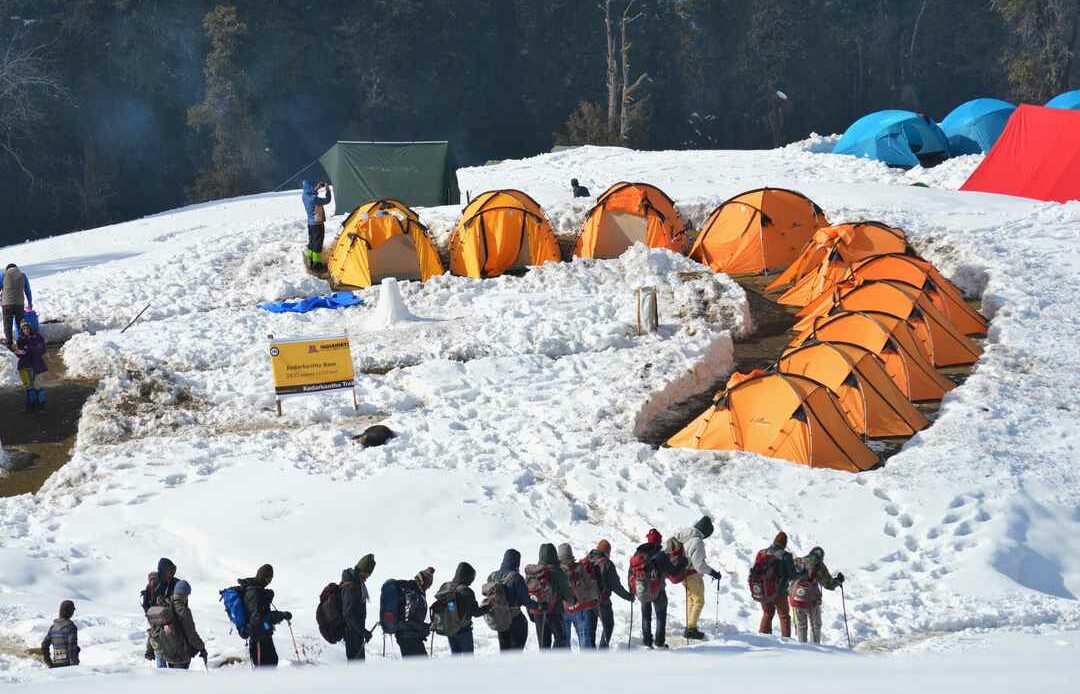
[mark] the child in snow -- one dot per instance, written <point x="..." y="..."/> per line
<point x="31" y="352"/>
<point x="61" y="645"/>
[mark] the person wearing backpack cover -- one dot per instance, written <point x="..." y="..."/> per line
<point x="454" y="607"/>
<point x="649" y="565"/>
<point x="692" y="542"/>
<point x="172" y="638"/>
<point x="583" y="612"/>
<point x="609" y="583"/>
<point x="60" y="647"/>
<point x="262" y="617"/>
<point x="811" y="575"/>
<point x="549" y="588"/>
<point x="773" y="569"/>
<point x="403" y="609"/>
<point x="505" y="593"/>
<point x="354" y="600"/>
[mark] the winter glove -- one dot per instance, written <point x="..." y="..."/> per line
<point x="202" y="654"/>
<point x="149" y="655"/>
<point x="367" y="635"/>
<point x="715" y="574"/>
<point x="287" y="616"/>
<point x="840" y="579"/>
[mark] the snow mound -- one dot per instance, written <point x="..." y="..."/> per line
<point x="390" y="309"/>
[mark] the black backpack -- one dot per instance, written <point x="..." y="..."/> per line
<point x="446" y="616"/>
<point x="328" y="615"/>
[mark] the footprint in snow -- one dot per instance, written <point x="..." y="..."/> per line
<point x="882" y="494"/>
<point x="890" y="530"/>
<point x="905" y="521"/>
<point x="957" y="502"/>
<point x="963" y="529"/>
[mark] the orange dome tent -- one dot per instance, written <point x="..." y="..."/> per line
<point x="628" y="213"/>
<point x="757" y="231"/>
<point x="941" y="341"/>
<point x="501" y="230"/>
<point x="379" y="239"/>
<point x="873" y="404"/>
<point x="782" y="416"/>
<point x="892" y="340"/>
<point x="913" y="270"/>
<point x="829" y="254"/>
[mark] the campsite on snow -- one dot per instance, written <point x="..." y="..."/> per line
<point x="551" y="334"/>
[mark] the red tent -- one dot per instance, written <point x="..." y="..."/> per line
<point x="1037" y="156"/>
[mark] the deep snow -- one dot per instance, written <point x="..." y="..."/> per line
<point x="516" y="400"/>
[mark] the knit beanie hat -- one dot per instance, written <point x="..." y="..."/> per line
<point x="704" y="526"/>
<point x="67" y="608"/>
<point x="654" y="537"/>
<point x="566" y="554"/>
<point x="366" y="565"/>
<point x="780" y="540"/>
<point x="604" y="546"/>
<point x="819" y="553"/>
<point x="425" y="578"/>
<point x="265" y="574"/>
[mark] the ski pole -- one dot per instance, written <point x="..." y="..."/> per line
<point x="630" y="634"/>
<point x="843" y="603"/>
<point x="716" y="621"/>
<point x="295" y="649"/>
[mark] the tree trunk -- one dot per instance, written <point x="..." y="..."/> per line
<point x="612" y="73"/>
<point x="628" y="89"/>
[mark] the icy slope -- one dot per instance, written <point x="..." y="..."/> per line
<point x="516" y="406"/>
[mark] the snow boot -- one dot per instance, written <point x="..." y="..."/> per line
<point x="694" y="635"/>
<point x="660" y="646"/>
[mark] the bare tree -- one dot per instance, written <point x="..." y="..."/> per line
<point x="25" y="85"/>
<point x="612" y="71"/>
<point x="626" y="106"/>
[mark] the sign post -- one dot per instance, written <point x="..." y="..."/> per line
<point x="311" y="365"/>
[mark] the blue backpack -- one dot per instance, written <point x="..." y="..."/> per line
<point x="233" y="599"/>
<point x="389" y="599"/>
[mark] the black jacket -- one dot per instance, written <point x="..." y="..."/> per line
<point x="609" y="579"/>
<point x="659" y="560"/>
<point x="354" y="597"/>
<point x="517" y="593"/>
<point x="257" y="601"/>
<point x="467" y="605"/>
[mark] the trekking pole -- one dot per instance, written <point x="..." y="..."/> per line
<point x="843" y="603"/>
<point x="630" y="635"/>
<point x="716" y="621"/>
<point x="295" y="649"/>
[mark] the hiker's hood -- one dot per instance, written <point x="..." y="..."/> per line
<point x="465" y="574"/>
<point x="511" y="560"/>
<point x="548" y="555"/>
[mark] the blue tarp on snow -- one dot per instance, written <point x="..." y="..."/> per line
<point x="1068" y="100"/>
<point x="974" y="126"/>
<point x="898" y="138"/>
<point x="335" y="300"/>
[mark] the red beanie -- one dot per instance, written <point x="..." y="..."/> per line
<point x="654" y="536"/>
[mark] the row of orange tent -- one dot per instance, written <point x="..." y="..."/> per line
<point x="875" y="322"/>
<point x="505" y="230"/>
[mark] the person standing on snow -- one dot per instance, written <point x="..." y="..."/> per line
<point x="404" y="611"/>
<point x="14" y="285"/>
<point x="609" y="583"/>
<point x="316" y="219"/>
<point x="811" y="575"/>
<point x="354" y="600"/>
<point x="549" y="588"/>
<point x="262" y="617"/>
<point x="650" y="564"/>
<point x="30" y="348"/>
<point x="510" y="585"/>
<point x="172" y="633"/>
<point x="780" y="565"/>
<point x="692" y="543"/>
<point x="582" y="613"/>
<point x="464" y="605"/>
<point x="60" y="648"/>
<point x="580" y="191"/>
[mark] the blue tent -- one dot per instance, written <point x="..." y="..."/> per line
<point x="898" y="138"/>
<point x="1069" y="100"/>
<point x="974" y="126"/>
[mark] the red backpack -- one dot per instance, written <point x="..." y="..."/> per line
<point x="538" y="581"/>
<point x="645" y="579"/>
<point x="764" y="577"/>
<point x="804" y="592"/>
<point x="584" y="584"/>
<point x="677" y="555"/>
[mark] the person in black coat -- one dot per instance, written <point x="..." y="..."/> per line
<point x="609" y="583"/>
<point x="354" y="599"/>
<point x="408" y="625"/>
<point x="517" y="596"/>
<point x="659" y="561"/>
<point x="580" y="191"/>
<point x="467" y="606"/>
<point x="258" y="601"/>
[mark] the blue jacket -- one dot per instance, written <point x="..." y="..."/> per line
<point x="518" y="590"/>
<point x="311" y="200"/>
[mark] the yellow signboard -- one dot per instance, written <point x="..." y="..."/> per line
<point x="307" y="365"/>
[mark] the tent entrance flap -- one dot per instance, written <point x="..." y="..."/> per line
<point x="619" y="231"/>
<point x="396" y="258"/>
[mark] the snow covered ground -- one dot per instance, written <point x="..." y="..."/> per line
<point x="516" y="401"/>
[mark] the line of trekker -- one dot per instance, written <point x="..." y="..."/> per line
<point x="561" y="594"/>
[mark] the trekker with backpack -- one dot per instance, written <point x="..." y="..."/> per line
<point x="811" y="575"/>
<point x="505" y="593"/>
<point x="354" y="600"/>
<point x="172" y="638"/>
<point x="773" y="568"/>
<point x="403" y="612"/>
<point x="60" y="647"/>
<point x="582" y="612"/>
<point x="258" y="603"/>
<point x="454" y="608"/>
<point x="609" y="583"/>
<point x="691" y="543"/>
<point x="648" y="567"/>
<point x="549" y="588"/>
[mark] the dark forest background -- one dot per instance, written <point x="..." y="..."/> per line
<point x="111" y="109"/>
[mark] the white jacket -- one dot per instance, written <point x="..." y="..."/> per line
<point x="693" y="543"/>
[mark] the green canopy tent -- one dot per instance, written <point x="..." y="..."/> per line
<point x="420" y="174"/>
